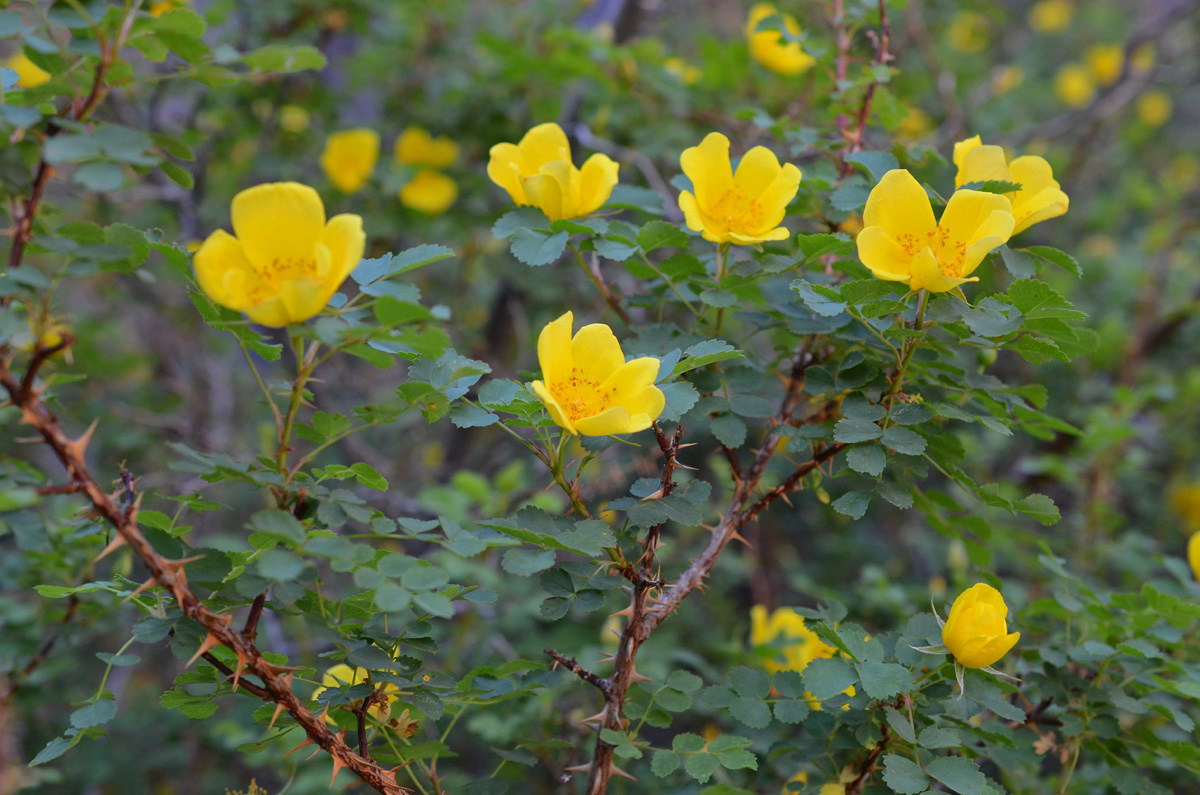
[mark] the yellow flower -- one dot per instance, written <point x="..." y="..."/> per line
<point x="343" y="675"/>
<point x="349" y="158"/>
<point x="293" y="118"/>
<point x="416" y="147"/>
<point x="285" y="262"/>
<point x="687" y="74"/>
<point x="1142" y="59"/>
<point x="539" y="171"/>
<point x="1006" y="78"/>
<point x="768" y="47"/>
<point x="968" y="32"/>
<point x="160" y="7"/>
<point x="1040" y="197"/>
<point x="801" y="645"/>
<point x="1154" y="108"/>
<point x="1104" y="61"/>
<point x="589" y="388"/>
<point x="1185" y="502"/>
<point x="1074" y="86"/>
<point x="430" y="192"/>
<point x="744" y="208"/>
<point x="29" y="74"/>
<point x="902" y="242"/>
<point x="1194" y="554"/>
<point x="914" y="125"/>
<point x="1050" y="16"/>
<point x="976" y="632"/>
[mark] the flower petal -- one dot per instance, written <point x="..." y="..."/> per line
<point x="271" y="312"/>
<point x="926" y="275"/>
<point x="554" y="349"/>
<point x="1040" y="197"/>
<point x="303" y="298"/>
<point x="708" y="167"/>
<point x="901" y="207"/>
<point x="691" y="212"/>
<point x="505" y="166"/>
<point x="968" y="216"/>
<point x="757" y="170"/>
<point x="349" y="158"/>
<point x="611" y="421"/>
<point x="597" y="179"/>
<point x="556" y="413"/>
<point x="430" y="192"/>
<point x="775" y="199"/>
<point x="545" y="192"/>
<point x="278" y="221"/>
<point x="543" y="144"/>
<point x="991" y="234"/>
<point x="220" y="254"/>
<point x="1193" y="553"/>
<point x="345" y="240"/>
<point x="883" y="255"/>
<point x="962" y="147"/>
<point x="982" y="164"/>
<point x="631" y="383"/>
<point x="596" y="353"/>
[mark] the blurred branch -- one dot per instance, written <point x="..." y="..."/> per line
<point x="854" y="139"/>
<point x="585" y="136"/>
<point x="43" y="651"/>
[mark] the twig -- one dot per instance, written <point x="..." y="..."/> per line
<point x="854" y="140"/>
<point x="867" y="766"/>
<point x="44" y="649"/>
<point x="229" y="673"/>
<point x="250" y="630"/>
<point x="572" y="665"/>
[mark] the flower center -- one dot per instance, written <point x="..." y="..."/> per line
<point x="950" y="254"/>
<point x="580" y="397"/>
<point x="737" y="211"/>
<point x="282" y="269"/>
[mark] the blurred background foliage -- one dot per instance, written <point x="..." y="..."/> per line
<point x="1107" y="91"/>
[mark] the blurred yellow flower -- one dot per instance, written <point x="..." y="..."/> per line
<point x="1073" y="86"/>
<point x="1194" y="554"/>
<point x="589" y="388"/>
<point x="430" y="192"/>
<point x="1040" y="197"/>
<point x="852" y="225"/>
<point x="416" y="147"/>
<point x="343" y="675"/>
<point x="800" y="644"/>
<point x="285" y="262"/>
<point x="1142" y="59"/>
<point x="681" y="69"/>
<point x="539" y="171"/>
<point x="1104" y="61"/>
<point x="976" y="632"/>
<point x="349" y="158"/>
<point x="768" y="47"/>
<point x="902" y="242"/>
<point x="968" y="32"/>
<point x="1050" y="16"/>
<point x="29" y="74"/>
<point x="160" y="7"/>
<point x="914" y="125"/>
<point x="1185" y="503"/>
<point x="1154" y="108"/>
<point x="293" y="118"/>
<point x="746" y="207"/>
<point x="1006" y="78"/>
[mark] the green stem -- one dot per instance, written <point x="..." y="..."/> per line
<point x="646" y="261"/>
<point x="108" y="670"/>
<point x="303" y="373"/>
<point x="722" y="260"/>
<point x="556" y="470"/>
<point x="910" y="345"/>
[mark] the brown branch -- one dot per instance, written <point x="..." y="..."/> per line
<point x="44" y="649"/>
<point x="572" y="665"/>
<point x="250" y="629"/>
<point x="867" y="766"/>
<point x="613" y="303"/>
<point x="854" y="140"/>
<point x="170" y="575"/>
<point x="229" y="673"/>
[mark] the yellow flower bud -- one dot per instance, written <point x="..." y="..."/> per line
<point x="976" y="632"/>
<point x="416" y="147"/>
<point x="538" y="171"/>
<point x="744" y="208"/>
<point x="1073" y="86"/>
<point x="1154" y="109"/>
<point x="968" y="32"/>
<point x="589" y="388"/>
<point x="1050" y="16"/>
<point x="1104" y="61"/>
<point x="293" y="119"/>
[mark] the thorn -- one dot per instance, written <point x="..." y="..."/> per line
<point x="621" y="772"/>
<point x="338" y="764"/>
<point x="593" y="718"/>
<point x="693" y="469"/>
<point x="117" y="542"/>
<point x="685" y="446"/>
<point x="658" y="495"/>
<point x="77" y="447"/>
<point x="626" y="612"/>
<point x="614" y="632"/>
<point x="210" y="641"/>
<point x="278" y="709"/>
<point x="738" y="537"/>
<point x="609" y="659"/>
<point x="280" y="669"/>
<point x="577" y="768"/>
<point x="636" y="677"/>
<point x="150" y="583"/>
<point x="306" y="741"/>
<point x="352" y="784"/>
<point x="237" y="673"/>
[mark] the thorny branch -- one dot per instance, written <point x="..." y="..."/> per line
<point x="854" y="138"/>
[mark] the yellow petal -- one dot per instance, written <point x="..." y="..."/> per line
<point x="963" y="147"/>
<point x="981" y="221"/>
<point x="29" y="74"/>
<point x="982" y="164"/>
<point x="595" y="353"/>
<point x="344" y="239"/>
<point x="220" y="254"/>
<point x="757" y="170"/>
<point x="278" y="221"/>
<point x="779" y="233"/>
<point x="556" y="413"/>
<point x="632" y="385"/>
<point x="597" y="179"/>
<point x="991" y="234"/>
<point x="901" y="207"/>
<point x="759" y="625"/>
<point x="882" y="255"/>
<point x="1040" y="197"/>
<point x="609" y="422"/>
<point x="1193" y="552"/>
<point x="546" y="192"/>
<point x="271" y="312"/>
<point x="303" y="298"/>
<point x="505" y="167"/>
<point x="774" y="201"/>
<point x="350" y="157"/>
<point x="554" y="349"/>
<point x="416" y="147"/>
<point x="691" y="212"/>
<point x="991" y="651"/>
<point x="429" y="192"/>
<point x="709" y="169"/>
<point x="543" y="144"/>
<point x="926" y="275"/>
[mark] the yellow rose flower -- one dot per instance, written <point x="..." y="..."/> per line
<point x="1073" y="86"/>
<point x="801" y="644"/>
<point x="916" y="124"/>
<point x="681" y="69"/>
<point x="1050" y="16"/>
<point x="902" y="242"/>
<point x="745" y="208"/>
<point x="349" y="158"/>
<point x="160" y="7"/>
<point x="285" y="262"/>
<point x="416" y="147"/>
<point x="343" y="675"/>
<point x="1194" y="554"/>
<point x="976" y="632"/>
<point x="430" y="192"/>
<point x="1104" y="61"/>
<point x="589" y="388"/>
<point x="29" y="74"/>
<point x="1040" y="197"/>
<point x="968" y="32"/>
<point x="1185" y="502"/>
<point x="1154" y="109"/>
<point x="539" y="171"/>
<point x="768" y="47"/>
<point x="1006" y="78"/>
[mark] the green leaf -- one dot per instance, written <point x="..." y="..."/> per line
<point x="852" y="429"/>
<point x="99" y="176"/>
<point x="665" y="763"/>
<point x="390" y="597"/>
<point x="96" y="714"/>
<point x="935" y="737"/>
<point x="904" y="441"/>
<point x="1055" y="257"/>
<point x="278" y="565"/>
<point x="819" y="245"/>
<point x="702" y="766"/>
<point x="749" y="682"/>
<point x="960" y="775"/>
<point x="853" y="503"/>
<point x="900" y="724"/>
<point x="435" y="603"/>
<point x="54" y="749"/>
<point x="526" y="562"/>
<point x="819" y="298"/>
<point x="194" y="707"/>
<point x="280" y="525"/>
<point x="284" y="58"/>
<point x="875" y="164"/>
<point x="684" y="682"/>
<point x="520" y="218"/>
<point x="729" y="430"/>
<point x="538" y="248"/>
<point x="903" y="775"/>
<point x="883" y="680"/>
<point x="1039" y="507"/>
<point x="867" y="458"/>
<point x="417" y="257"/>
<point x="657" y="234"/>
<point x="792" y="710"/>
<point x="826" y="677"/>
<point x="992" y="186"/>
<point x="688" y="743"/>
<point x="467" y="415"/>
